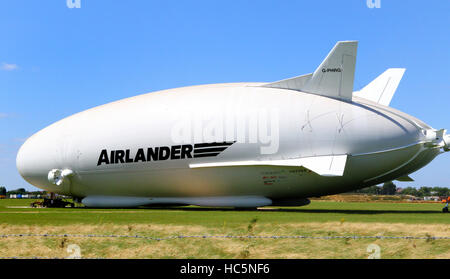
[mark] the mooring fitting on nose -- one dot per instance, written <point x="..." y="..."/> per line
<point x="58" y="176"/>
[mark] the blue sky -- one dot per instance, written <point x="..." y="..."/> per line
<point x="56" y="61"/>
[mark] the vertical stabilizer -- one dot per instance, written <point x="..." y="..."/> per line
<point x="334" y="77"/>
<point x="382" y="89"/>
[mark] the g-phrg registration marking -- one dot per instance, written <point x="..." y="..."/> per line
<point x="161" y="153"/>
<point x="273" y="177"/>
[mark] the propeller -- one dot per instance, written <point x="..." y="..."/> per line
<point x="437" y="138"/>
<point x="443" y="140"/>
<point x="447" y="143"/>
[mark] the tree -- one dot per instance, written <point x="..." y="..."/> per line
<point x="2" y="191"/>
<point x="373" y="190"/>
<point x="410" y="191"/>
<point x="441" y="191"/>
<point x="18" y="191"/>
<point x="425" y="191"/>
<point x="388" y="188"/>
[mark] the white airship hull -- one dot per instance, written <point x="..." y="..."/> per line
<point x="377" y="141"/>
<point x="241" y="144"/>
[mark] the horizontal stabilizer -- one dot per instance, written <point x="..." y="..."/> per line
<point x="405" y="178"/>
<point x="333" y="78"/>
<point x="333" y="165"/>
<point x="382" y="89"/>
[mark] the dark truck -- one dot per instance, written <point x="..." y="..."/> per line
<point x="52" y="203"/>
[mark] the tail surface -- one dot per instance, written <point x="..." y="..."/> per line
<point x="382" y="89"/>
<point x="333" y="78"/>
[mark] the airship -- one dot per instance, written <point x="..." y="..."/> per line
<point x="242" y="145"/>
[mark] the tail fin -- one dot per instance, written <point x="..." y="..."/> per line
<point x="333" y="78"/>
<point x="382" y="89"/>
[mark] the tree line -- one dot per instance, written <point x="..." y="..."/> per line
<point x="4" y="192"/>
<point x="391" y="189"/>
<point x="386" y="189"/>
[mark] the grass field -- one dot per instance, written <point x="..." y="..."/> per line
<point x="320" y="218"/>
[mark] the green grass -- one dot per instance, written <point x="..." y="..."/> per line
<point x="320" y="218"/>
<point x="317" y="211"/>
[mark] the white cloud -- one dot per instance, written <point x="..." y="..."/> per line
<point x="9" y="67"/>
<point x="3" y="115"/>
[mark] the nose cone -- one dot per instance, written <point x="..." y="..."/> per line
<point x="40" y="154"/>
<point x="32" y="162"/>
<point x="22" y="163"/>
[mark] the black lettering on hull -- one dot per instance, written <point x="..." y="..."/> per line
<point x="162" y="153"/>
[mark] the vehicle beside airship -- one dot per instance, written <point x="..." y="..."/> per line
<point x="236" y="144"/>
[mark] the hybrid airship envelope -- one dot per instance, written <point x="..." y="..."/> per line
<point x="236" y="144"/>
